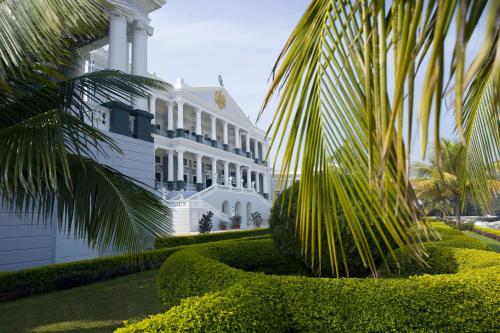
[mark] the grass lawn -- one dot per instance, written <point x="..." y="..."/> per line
<point x="100" y="307"/>
<point x="492" y="243"/>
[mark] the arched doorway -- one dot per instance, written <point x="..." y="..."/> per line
<point x="237" y="208"/>
<point x="225" y="207"/>
<point x="249" y="211"/>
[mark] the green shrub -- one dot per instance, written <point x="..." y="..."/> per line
<point x="495" y="232"/>
<point x="229" y="299"/>
<point x="466" y="226"/>
<point x="43" y="279"/>
<point x="162" y="242"/>
<point x="205" y="223"/>
<point x="282" y="224"/>
<point x="244" y="307"/>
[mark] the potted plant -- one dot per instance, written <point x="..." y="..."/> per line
<point x="222" y="225"/>
<point x="235" y="221"/>
<point x="256" y="219"/>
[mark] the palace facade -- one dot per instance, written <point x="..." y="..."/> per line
<point x="193" y="146"/>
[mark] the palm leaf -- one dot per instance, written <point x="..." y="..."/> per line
<point x="333" y="79"/>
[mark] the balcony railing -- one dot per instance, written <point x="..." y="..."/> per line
<point x="190" y="135"/>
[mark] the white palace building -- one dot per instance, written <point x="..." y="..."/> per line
<point x="193" y="145"/>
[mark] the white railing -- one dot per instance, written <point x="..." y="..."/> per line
<point x="230" y="189"/>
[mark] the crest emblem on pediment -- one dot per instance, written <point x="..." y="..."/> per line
<point x="220" y="99"/>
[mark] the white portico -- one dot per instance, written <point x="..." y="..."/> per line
<point x="207" y="149"/>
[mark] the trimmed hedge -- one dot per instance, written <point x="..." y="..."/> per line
<point x="33" y="281"/>
<point x="228" y="299"/>
<point x="488" y="232"/>
<point x="43" y="279"/>
<point x="163" y="242"/>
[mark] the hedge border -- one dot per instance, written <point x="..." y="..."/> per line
<point x="223" y="298"/>
<point x="487" y="232"/>
<point x="38" y="280"/>
<point x="165" y="242"/>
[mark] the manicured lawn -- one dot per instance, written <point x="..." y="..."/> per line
<point x="100" y="307"/>
<point x="492" y="244"/>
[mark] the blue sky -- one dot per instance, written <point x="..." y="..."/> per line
<point x="198" y="40"/>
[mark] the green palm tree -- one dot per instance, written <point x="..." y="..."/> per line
<point x="441" y="186"/>
<point x="48" y="143"/>
<point x="348" y="73"/>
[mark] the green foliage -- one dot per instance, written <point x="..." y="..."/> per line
<point x="229" y="298"/>
<point x="256" y="218"/>
<point x="467" y="226"/>
<point x="173" y="241"/>
<point x="443" y="257"/>
<point x="348" y="81"/>
<point x="69" y="275"/>
<point x="39" y="280"/>
<point x="205" y="223"/>
<point x="487" y="230"/>
<point x="283" y="228"/>
<point x="48" y="149"/>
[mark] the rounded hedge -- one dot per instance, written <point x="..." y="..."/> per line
<point x="207" y="288"/>
<point x="282" y="224"/>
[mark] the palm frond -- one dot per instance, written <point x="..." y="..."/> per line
<point x="43" y="31"/>
<point x="481" y="149"/>
<point x="104" y="207"/>
<point x="333" y="79"/>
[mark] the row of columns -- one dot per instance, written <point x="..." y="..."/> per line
<point x="118" y="52"/>
<point x="199" y="178"/>
<point x="213" y="128"/>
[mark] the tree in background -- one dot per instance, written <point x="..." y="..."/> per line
<point x="440" y="188"/>
<point x="48" y="143"/>
<point x="205" y="223"/>
<point x="347" y="76"/>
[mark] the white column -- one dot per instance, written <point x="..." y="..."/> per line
<point x="257" y="182"/>
<point x="248" y="142"/>
<point x="214" y="170"/>
<point x="249" y="179"/>
<point x="238" y="175"/>
<point x="256" y="149"/>
<point x="214" y="128"/>
<point x="237" y="138"/>
<point x="180" y="114"/>
<point x="198" y="121"/>
<point x="225" y="133"/>
<point x="266" y="183"/>
<point x="170" y="165"/>
<point x="152" y="105"/>
<point x="117" y="54"/>
<point x="180" y="165"/>
<point x="198" y="169"/>
<point x="139" y="56"/>
<point x="139" y="49"/>
<point x="226" y="173"/>
<point x="170" y="116"/>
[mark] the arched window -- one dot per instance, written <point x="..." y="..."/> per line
<point x="237" y="208"/>
<point x="225" y="207"/>
<point x="249" y="211"/>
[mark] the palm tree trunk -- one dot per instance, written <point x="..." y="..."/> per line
<point x="457" y="209"/>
